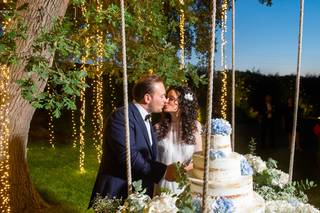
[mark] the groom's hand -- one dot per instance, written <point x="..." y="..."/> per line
<point x="171" y="173"/>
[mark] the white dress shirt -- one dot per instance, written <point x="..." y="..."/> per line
<point x="144" y="113"/>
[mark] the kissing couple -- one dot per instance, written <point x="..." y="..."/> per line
<point x="154" y="148"/>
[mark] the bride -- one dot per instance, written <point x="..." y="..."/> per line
<point x="178" y="132"/>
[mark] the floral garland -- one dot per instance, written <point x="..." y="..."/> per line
<point x="273" y="185"/>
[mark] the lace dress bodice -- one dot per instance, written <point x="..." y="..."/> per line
<point x="172" y="149"/>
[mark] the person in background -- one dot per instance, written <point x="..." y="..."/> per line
<point x="267" y="122"/>
<point x="288" y="123"/>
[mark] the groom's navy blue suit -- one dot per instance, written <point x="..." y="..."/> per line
<point x="111" y="179"/>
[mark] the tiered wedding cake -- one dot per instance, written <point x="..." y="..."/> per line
<point x="230" y="176"/>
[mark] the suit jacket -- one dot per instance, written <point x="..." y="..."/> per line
<point x="111" y="179"/>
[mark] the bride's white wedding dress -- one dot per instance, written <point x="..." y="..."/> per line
<point x="172" y="149"/>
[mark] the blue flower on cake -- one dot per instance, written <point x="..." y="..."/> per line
<point x="222" y="205"/>
<point x="220" y="126"/>
<point x="216" y="154"/>
<point x="197" y="204"/>
<point x="245" y="167"/>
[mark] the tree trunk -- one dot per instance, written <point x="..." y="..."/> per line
<point x="38" y="16"/>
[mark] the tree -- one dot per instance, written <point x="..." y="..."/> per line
<point x="36" y="15"/>
<point x="28" y="49"/>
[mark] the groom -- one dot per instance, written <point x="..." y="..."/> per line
<point x="149" y="97"/>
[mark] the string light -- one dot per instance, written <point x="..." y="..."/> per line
<point x="84" y="60"/>
<point x="74" y="130"/>
<point x="82" y="130"/>
<point x="4" y="140"/>
<point x="97" y="86"/>
<point x="224" y="92"/>
<point x="112" y="96"/>
<point x="51" y="128"/>
<point x="182" y="37"/>
<point x="4" y="131"/>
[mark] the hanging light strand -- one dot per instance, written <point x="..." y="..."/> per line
<point x="84" y="60"/>
<point x="4" y="140"/>
<point x="182" y="35"/>
<point x="50" y="124"/>
<point x="4" y="130"/>
<point x="224" y="91"/>
<point x="74" y="129"/>
<point x="98" y="91"/>
<point x="112" y="96"/>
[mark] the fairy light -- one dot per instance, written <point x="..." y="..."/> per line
<point x="82" y="130"/>
<point x="97" y="86"/>
<point x="112" y="96"/>
<point x="182" y="37"/>
<point x="50" y="123"/>
<point x="74" y="129"/>
<point x="4" y="140"/>
<point x="84" y="60"/>
<point x="4" y="131"/>
<point x="224" y="92"/>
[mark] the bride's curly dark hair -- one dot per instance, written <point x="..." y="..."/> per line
<point x="188" y="105"/>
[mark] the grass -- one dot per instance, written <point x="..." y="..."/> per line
<point x="55" y="173"/>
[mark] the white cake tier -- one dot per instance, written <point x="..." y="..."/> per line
<point x="220" y="169"/>
<point x="221" y="143"/>
<point x="252" y="203"/>
<point x="235" y="189"/>
<point x="257" y="205"/>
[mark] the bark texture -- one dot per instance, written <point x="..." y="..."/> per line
<point x="38" y="15"/>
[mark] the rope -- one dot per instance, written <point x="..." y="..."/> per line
<point x="209" y="109"/>
<point x="233" y="93"/>
<point x="295" y="112"/>
<point x="125" y="98"/>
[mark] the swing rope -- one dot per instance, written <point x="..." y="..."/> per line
<point x="209" y="108"/>
<point x="125" y="98"/>
<point x="297" y="89"/>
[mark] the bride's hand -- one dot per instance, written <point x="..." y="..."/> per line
<point x="188" y="167"/>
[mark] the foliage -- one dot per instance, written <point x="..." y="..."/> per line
<point x="273" y="184"/>
<point x="102" y="205"/>
<point x="252" y="146"/>
<point x="139" y="202"/>
<point x="65" y="81"/>
<point x="184" y="201"/>
<point x="16" y="30"/>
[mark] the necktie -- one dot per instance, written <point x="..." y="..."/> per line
<point x="148" y="118"/>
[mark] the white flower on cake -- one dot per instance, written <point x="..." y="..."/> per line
<point x="165" y="203"/>
<point x="220" y="126"/>
<point x="256" y="163"/>
<point x="282" y="180"/>
<point x="188" y="97"/>
<point x="283" y="206"/>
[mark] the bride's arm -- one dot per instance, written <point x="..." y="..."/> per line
<point x="198" y="137"/>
